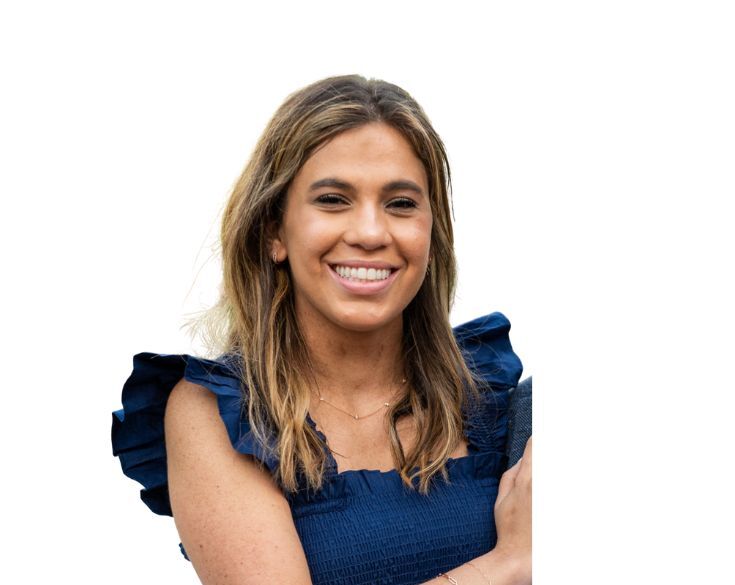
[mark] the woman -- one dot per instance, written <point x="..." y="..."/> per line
<point x="363" y="439"/>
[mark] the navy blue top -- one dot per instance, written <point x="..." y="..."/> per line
<point x="364" y="526"/>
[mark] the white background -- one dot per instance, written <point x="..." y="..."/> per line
<point x="592" y="147"/>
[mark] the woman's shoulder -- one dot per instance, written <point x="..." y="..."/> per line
<point x="138" y="438"/>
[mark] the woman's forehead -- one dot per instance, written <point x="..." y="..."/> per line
<point x="374" y="153"/>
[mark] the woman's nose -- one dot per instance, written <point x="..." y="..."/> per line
<point x="368" y="228"/>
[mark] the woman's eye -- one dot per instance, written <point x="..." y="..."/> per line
<point x="330" y="199"/>
<point x="402" y="203"/>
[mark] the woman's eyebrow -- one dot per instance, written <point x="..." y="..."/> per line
<point x="331" y="182"/>
<point x="400" y="185"/>
<point x="403" y="185"/>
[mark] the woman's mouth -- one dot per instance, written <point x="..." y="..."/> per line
<point x="361" y="274"/>
<point x="363" y="280"/>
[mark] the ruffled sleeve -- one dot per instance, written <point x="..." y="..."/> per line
<point x="137" y="429"/>
<point x="485" y="344"/>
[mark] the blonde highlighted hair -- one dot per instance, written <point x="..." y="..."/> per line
<point x="256" y="317"/>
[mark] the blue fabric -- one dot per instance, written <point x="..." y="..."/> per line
<point x="364" y="526"/>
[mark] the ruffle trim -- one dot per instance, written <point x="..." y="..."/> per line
<point x="337" y="492"/>
<point x="137" y="429"/>
<point x="485" y="344"/>
<point x="138" y="432"/>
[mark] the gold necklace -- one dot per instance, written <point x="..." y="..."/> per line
<point x="355" y="416"/>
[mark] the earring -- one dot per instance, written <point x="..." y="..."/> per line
<point x="275" y="258"/>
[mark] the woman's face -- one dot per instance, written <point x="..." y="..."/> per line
<point x="357" y="230"/>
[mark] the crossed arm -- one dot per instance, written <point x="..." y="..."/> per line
<point x="241" y="541"/>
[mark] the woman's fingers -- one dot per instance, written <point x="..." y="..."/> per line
<point x="513" y="508"/>
<point x="521" y="470"/>
<point x="527" y="450"/>
<point x="526" y="462"/>
<point x="507" y="481"/>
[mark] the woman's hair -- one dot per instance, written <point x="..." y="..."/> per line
<point x="256" y="316"/>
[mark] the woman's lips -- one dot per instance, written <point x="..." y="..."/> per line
<point x="360" y="286"/>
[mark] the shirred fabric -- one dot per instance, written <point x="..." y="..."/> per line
<point x="363" y="526"/>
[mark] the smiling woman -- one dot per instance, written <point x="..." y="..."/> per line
<point x="345" y="433"/>
<point x="359" y="202"/>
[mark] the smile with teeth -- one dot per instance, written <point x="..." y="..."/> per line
<point x="362" y="274"/>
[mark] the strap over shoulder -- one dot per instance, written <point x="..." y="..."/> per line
<point x="519" y="420"/>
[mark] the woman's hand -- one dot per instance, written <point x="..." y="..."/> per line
<point x="513" y="512"/>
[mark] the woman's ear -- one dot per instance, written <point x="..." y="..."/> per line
<point x="276" y="245"/>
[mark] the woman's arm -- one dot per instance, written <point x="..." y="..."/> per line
<point x="236" y="540"/>
<point x="233" y="520"/>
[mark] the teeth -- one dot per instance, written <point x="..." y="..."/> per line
<point x="362" y="274"/>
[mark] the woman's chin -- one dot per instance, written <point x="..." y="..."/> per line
<point x="369" y="323"/>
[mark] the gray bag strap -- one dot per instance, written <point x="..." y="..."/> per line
<point x="519" y="420"/>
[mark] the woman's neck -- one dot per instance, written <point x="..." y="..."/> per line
<point x="355" y="369"/>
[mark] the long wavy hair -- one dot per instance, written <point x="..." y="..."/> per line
<point x="256" y="318"/>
